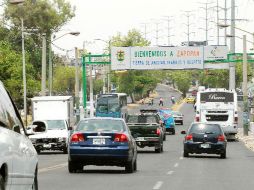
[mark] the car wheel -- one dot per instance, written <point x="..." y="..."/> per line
<point x="223" y="155"/>
<point x="135" y="165"/>
<point x="35" y="184"/>
<point x="182" y="123"/>
<point x="173" y="132"/>
<point x="129" y="167"/>
<point x="185" y="153"/>
<point x="73" y="168"/>
<point x="38" y="150"/>
<point x="164" y="137"/>
<point x="2" y="183"/>
<point x="65" y="150"/>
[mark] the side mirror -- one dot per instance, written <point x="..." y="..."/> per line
<point x="183" y="132"/>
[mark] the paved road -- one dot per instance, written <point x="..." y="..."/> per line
<point x="168" y="170"/>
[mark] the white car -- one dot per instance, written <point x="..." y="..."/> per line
<point x="18" y="157"/>
<point x="50" y="135"/>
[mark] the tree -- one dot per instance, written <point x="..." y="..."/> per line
<point x="12" y="76"/>
<point x="131" y="82"/>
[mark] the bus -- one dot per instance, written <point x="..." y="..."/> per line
<point x="218" y="105"/>
<point x="112" y="105"/>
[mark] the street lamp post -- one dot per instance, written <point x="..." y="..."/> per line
<point x="16" y="2"/>
<point x="50" y="58"/>
<point x="108" y="69"/>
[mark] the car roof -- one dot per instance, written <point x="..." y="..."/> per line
<point x="102" y="118"/>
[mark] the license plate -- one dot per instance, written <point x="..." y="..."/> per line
<point x="205" y="146"/>
<point x="98" y="141"/>
<point x="140" y="138"/>
<point x="47" y="146"/>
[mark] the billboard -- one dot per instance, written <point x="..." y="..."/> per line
<point x="154" y="58"/>
<point x="215" y="53"/>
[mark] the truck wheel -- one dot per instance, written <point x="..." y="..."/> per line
<point x="38" y="150"/>
<point x="2" y="183"/>
<point x="129" y="167"/>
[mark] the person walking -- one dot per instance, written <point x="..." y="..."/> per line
<point x="161" y="101"/>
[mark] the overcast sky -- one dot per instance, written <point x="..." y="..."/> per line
<point x="104" y="18"/>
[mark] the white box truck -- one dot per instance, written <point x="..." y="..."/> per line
<point x="53" y="107"/>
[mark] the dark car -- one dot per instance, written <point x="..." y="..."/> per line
<point x="205" y="138"/>
<point x="102" y="141"/>
<point x="178" y="117"/>
<point x="147" y="130"/>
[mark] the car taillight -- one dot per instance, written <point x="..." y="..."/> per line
<point x="221" y="138"/>
<point x="197" y="119"/>
<point x="78" y="137"/>
<point x="121" y="138"/>
<point x="188" y="137"/>
<point x="236" y="120"/>
<point x="158" y="131"/>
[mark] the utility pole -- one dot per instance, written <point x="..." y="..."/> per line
<point x="218" y="29"/>
<point x="168" y="28"/>
<point x="225" y="23"/>
<point x="77" y="85"/>
<point x="145" y="30"/>
<point x="188" y="15"/>
<point x="43" y="67"/>
<point x="157" y="33"/>
<point x="232" y="47"/>
<point x="50" y="67"/>
<point x="206" y="8"/>
<point x="245" y="92"/>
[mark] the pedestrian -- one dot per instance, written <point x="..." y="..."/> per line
<point x="161" y="101"/>
<point x="152" y="101"/>
<point x="173" y="100"/>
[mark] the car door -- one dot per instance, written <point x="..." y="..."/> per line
<point x="19" y="148"/>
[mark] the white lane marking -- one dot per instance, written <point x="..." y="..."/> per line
<point x="170" y="172"/>
<point x="176" y="165"/>
<point x="158" y="185"/>
<point x="52" y="168"/>
<point x="181" y="158"/>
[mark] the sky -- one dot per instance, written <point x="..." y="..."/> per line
<point x="102" y="19"/>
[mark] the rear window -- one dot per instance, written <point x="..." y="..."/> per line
<point x="142" y="119"/>
<point x="101" y="125"/>
<point x="205" y="128"/>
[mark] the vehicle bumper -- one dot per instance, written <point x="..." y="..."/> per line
<point x="50" y="146"/>
<point x="100" y="155"/>
<point x="178" y="121"/>
<point x="148" y="141"/>
<point x="171" y="129"/>
<point x="217" y="148"/>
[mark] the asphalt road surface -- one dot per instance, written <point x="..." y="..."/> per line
<point x="168" y="170"/>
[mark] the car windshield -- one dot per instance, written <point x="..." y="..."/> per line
<point x="205" y="128"/>
<point x="142" y="119"/>
<point x="96" y="125"/>
<point x="56" y="124"/>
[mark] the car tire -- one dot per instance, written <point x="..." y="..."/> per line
<point x="35" y="184"/>
<point x="135" y="165"/>
<point x="164" y="137"/>
<point x="73" y="168"/>
<point x="129" y="167"/>
<point x="2" y="184"/>
<point x="185" y="153"/>
<point x="65" y="150"/>
<point x="182" y="123"/>
<point x="38" y="150"/>
<point x="173" y="132"/>
<point x="223" y="155"/>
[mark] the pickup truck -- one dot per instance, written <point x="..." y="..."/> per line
<point x="147" y="130"/>
<point x="49" y="135"/>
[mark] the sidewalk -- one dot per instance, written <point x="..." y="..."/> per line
<point x="247" y="140"/>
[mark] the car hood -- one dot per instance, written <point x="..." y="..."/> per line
<point x="50" y="134"/>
